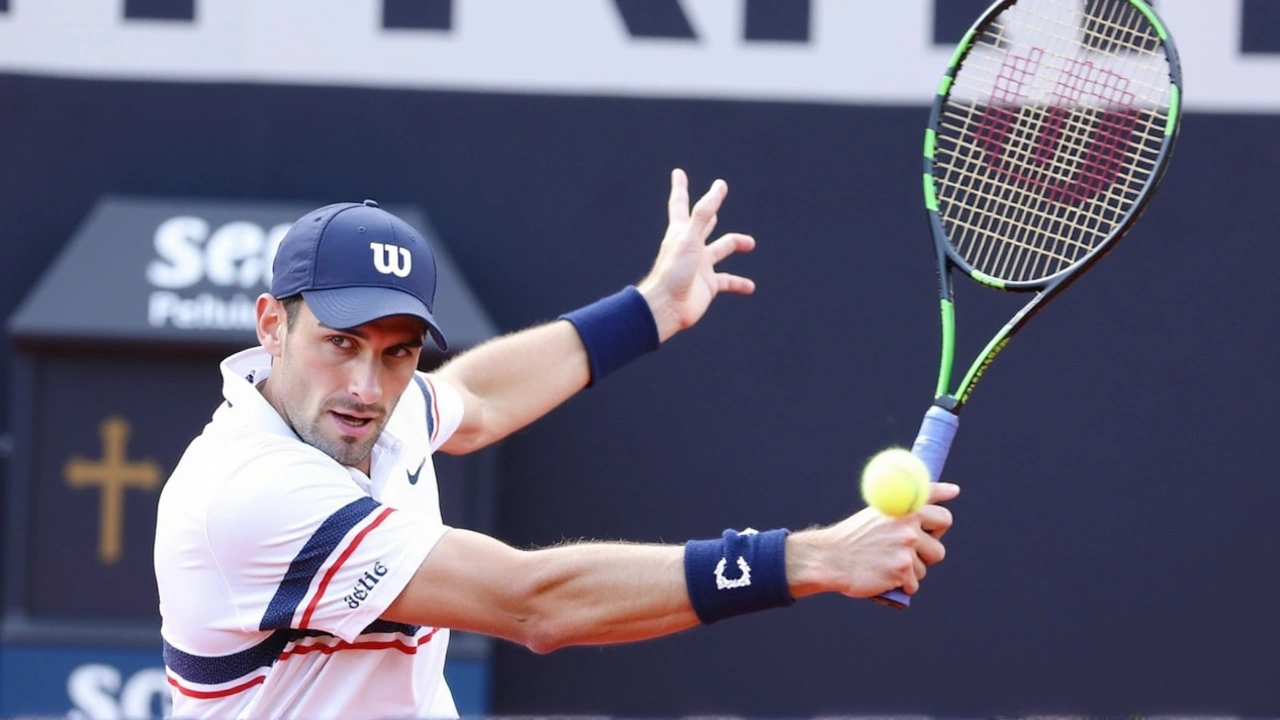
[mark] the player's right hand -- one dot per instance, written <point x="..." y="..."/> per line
<point x="869" y="553"/>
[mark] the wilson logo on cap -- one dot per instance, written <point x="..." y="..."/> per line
<point x="388" y="262"/>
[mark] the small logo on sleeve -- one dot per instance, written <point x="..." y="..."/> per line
<point x="365" y="585"/>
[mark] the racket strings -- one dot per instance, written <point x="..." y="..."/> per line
<point x="997" y="225"/>
<point x="1023" y="67"/>
<point x="1050" y="133"/>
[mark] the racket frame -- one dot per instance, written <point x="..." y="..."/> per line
<point x="1046" y="288"/>
<point x="933" y="442"/>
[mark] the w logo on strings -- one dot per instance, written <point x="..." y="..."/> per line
<point x="388" y="262"/>
<point x="1028" y="147"/>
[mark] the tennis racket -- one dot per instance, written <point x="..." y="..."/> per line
<point x="1051" y="130"/>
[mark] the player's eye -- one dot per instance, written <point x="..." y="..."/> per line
<point x="341" y="341"/>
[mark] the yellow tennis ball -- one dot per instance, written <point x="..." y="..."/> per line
<point x="895" y="482"/>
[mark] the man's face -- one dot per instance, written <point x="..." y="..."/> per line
<point x="337" y="388"/>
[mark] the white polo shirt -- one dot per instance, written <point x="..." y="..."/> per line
<point x="274" y="563"/>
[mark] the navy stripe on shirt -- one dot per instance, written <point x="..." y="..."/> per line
<point x="426" y="394"/>
<point x="376" y="627"/>
<point x="225" y="668"/>
<point x="309" y="559"/>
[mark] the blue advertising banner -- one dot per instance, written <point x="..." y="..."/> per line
<point x="112" y="683"/>
<point x="91" y="682"/>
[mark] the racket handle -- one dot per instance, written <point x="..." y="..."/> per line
<point x="932" y="445"/>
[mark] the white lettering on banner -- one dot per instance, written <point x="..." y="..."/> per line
<point x="98" y="692"/>
<point x="857" y="51"/>
<point x="237" y="254"/>
<point x="202" y="312"/>
<point x="181" y="263"/>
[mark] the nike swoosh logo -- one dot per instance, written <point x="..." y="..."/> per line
<point x="413" y="476"/>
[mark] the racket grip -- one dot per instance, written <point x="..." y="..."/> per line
<point x="932" y="445"/>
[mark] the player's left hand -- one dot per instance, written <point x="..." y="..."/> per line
<point x="684" y="280"/>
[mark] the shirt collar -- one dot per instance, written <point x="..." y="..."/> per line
<point x="241" y="374"/>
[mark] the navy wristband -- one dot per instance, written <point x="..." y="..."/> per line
<point x="737" y="574"/>
<point x="615" y="330"/>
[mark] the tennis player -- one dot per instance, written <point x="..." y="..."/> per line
<point x="303" y="567"/>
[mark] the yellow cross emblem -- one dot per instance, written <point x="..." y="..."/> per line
<point x="113" y="474"/>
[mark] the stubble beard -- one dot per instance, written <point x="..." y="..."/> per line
<point x="347" y="451"/>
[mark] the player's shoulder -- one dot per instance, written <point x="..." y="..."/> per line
<point x="232" y="442"/>
<point x="228" y="457"/>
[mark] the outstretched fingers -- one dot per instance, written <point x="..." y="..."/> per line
<point x="726" y="282"/>
<point x="730" y="243"/>
<point x="721" y="248"/>
<point x="703" y="218"/>
<point x="683" y="280"/>
<point x="678" y="202"/>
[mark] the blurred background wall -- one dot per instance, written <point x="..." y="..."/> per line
<point x="1114" y="546"/>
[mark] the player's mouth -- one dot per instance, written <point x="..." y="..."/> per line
<point x="354" y="425"/>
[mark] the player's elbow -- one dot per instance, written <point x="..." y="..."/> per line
<point x="543" y="640"/>
<point x="540" y="629"/>
<point x="545" y="620"/>
<point x="540" y="633"/>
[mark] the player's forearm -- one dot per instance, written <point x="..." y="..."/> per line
<point x="602" y="593"/>
<point x="607" y="593"/>
<point x="514" y="380"/>
<point x="587" y="593"/>
<point x="610" y="593"/>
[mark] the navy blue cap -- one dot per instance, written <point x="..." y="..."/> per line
<point x="354" y="263"/>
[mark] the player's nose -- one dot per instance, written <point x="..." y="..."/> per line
<point x="365" y="382"/>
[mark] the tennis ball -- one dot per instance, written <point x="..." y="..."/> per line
<point x="895" y="482"/>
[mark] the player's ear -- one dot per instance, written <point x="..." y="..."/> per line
<point x="273" y="321"/>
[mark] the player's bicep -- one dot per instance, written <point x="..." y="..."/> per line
<point x="468" y="582"/>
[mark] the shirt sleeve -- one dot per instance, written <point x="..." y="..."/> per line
<point x="444" y="408"/>
<point x="301" y="546"/>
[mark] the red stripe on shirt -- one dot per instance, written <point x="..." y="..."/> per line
<point x="324" y="582"/>
<point x="360" y="645"/>
<point x="211" y="694"/>
<point x="367" y="645"/>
